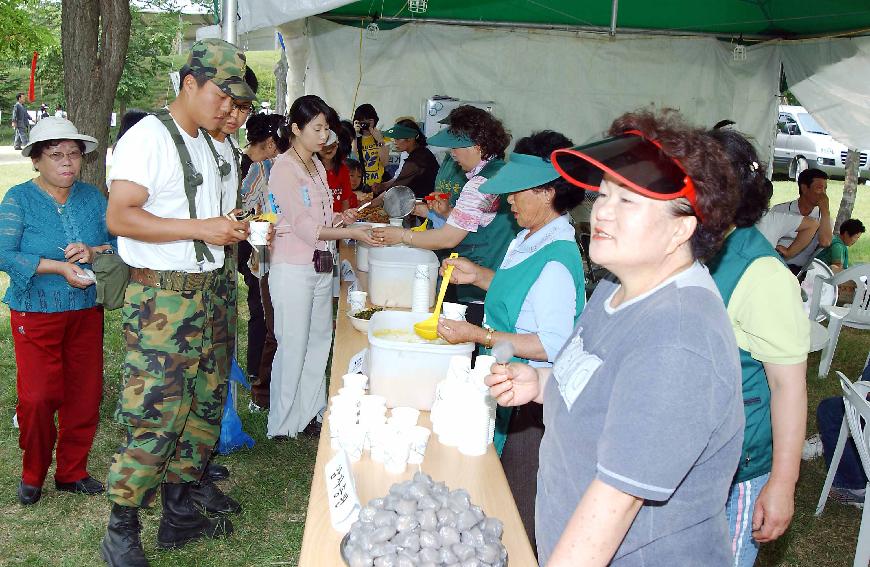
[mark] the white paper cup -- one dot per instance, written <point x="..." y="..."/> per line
<point x="484" y="362"/>
<point x="355" y="381"/>
<point x="352" y="392"/>
<point x="352" y="438"/>
<point x="339" y="401"/>
<point x="419" y="438"/>
<point x="396" y="452"/>
<point x="404" y="418"/>
<point x="396" y="221"/>
<point x="357" y="300"/>
<point x="372" y="401"/>
<point x="336" y="425"/>
<point x="453" y="311"/>
<point x="475" y="437"/>
<point x="377" y="438"/>
<point x="259" y="230"/>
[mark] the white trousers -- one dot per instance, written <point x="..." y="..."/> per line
<point x="302" y="300"/>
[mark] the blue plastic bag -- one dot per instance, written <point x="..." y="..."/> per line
<point x="233" y="437"/>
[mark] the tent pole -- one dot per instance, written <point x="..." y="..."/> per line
<point x="228" y="21"/>
<point x="355" y="20"/>
<point x="613" y="13"/>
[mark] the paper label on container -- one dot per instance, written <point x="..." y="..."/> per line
<point x="357" y="363"/>
<point x="347" y="273"/>
<point x="341" y="493"/>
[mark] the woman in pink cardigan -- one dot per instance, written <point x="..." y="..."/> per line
<point x="300" y="276"/>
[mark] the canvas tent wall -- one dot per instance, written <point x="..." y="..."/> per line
<point x="576" y="84"/>
<point x="829" y="75"/>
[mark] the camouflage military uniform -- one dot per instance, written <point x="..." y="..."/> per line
<point x="178" y="347"/>
<point x="176" y="370"/>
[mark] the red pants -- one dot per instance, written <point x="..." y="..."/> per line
<point x="60" y="369"/>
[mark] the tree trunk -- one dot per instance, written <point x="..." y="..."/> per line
<point x="281" y="84"/>
<point x="94" y="37"/>
<point x="850" y="189"/>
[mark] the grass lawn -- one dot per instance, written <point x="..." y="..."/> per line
<point x="272" y="481"/>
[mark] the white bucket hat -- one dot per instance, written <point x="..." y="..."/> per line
<point x="56" y="128"/>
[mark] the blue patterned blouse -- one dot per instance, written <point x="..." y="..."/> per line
<point x="34" y="226"/>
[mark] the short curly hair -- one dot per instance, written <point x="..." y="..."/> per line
<point x="484" y="129"/>
<point x="706" y="164"/>
<point x="755" y="189"/>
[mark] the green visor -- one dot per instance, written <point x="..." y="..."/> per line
<point x="521" y="172"/>
<point x="399" y="132"/>
<point x="446" y="139"/>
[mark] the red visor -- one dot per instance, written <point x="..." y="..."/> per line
<point x="637" y="162"/>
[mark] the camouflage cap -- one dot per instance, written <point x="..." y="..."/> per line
<point x="224" y="64"/>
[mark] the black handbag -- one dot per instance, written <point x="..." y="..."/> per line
<point x="323" y="262"/>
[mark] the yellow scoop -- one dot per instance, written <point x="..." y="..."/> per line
<point x="428" y="328"/>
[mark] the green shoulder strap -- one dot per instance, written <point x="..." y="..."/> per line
<point x="192" y="178"/>
<point x="237" y="157"/>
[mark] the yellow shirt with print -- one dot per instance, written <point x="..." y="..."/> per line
<point x="372" y="166"/>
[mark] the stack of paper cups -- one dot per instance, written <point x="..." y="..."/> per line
<point x="420" y="289"/>
<point x="474" y="439"/>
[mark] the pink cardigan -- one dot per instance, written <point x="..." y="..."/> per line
<point x="304" y="205"/>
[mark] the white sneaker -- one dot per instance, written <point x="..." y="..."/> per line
<point x="812" y="448"/>
<point x="15" y="421"/>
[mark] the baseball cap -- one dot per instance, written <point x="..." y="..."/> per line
<point x="56" y="128"/>
<point x="639" y="163"/>
<point x="447" y="139"/>
<point x="521" y="172"/>
<point x="223" y="63"/>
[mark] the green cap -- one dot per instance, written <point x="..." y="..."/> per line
<point x="223" y="63"/>
<point x="399" y="132"/>
<point x="446" y="139"/>
<point x="519" y="173"/>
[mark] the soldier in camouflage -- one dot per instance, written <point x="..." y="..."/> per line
<point x="175" y="319"/>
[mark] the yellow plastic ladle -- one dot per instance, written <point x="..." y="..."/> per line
<point x="428" y="328"/>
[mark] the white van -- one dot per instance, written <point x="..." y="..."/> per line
<point x="801" y="143"/>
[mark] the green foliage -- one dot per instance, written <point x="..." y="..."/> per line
<point x="21" y="33"/>
<point x="152" y="37"/>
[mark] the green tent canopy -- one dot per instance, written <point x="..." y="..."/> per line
<point x="756" y="19"/>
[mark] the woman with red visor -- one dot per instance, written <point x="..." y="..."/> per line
<point x="643" y="411"/>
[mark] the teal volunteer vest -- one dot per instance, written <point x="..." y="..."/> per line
<point x="742" y="247"/>
<point x="507" y="293"/>
<point x="487" y="246"/>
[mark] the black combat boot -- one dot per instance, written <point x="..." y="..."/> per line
<point x="214" y="471"/>
<point x="208" y="497"/>
<point x="181" y="522"/>
<point x="121" y="546"/>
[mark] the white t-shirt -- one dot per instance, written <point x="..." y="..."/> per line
<point x="804" y="255"/>
<point x="231" y="180"/>
<point x="146" y="155"/>
<point x="775" y="225"/>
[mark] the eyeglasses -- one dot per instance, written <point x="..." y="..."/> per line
<point x="59" y="156"/>
<point x="243" y="108"/>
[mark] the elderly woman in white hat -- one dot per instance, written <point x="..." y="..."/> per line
<point x="51" y="228"/>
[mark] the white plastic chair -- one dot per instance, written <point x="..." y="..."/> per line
<point x="856" y="315"/>
<point x="817" y="292"/>
<point x="856" y="423"/>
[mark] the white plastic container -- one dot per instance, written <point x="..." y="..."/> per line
<point x="406" y="374"/>
<point x="391" y="275"/>
<point x="362" y="249"/>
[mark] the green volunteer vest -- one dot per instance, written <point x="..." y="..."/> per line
<point x="508" y="291"/>
<point x="742" y="247"/>
<point x="487" y="246"/>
